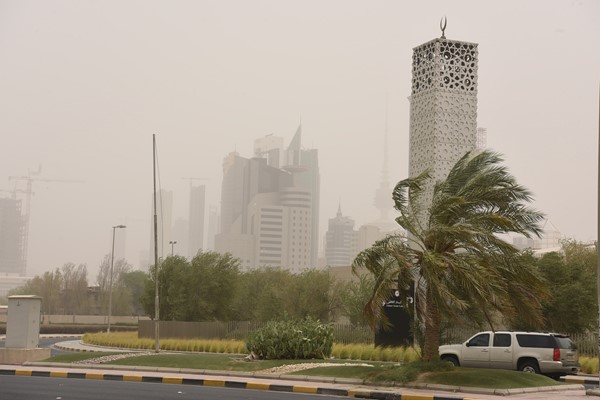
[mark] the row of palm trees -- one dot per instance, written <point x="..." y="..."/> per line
<point x="452" y="252"/>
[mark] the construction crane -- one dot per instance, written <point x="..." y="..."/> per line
<point x="28" y="191"/>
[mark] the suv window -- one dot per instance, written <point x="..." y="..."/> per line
<point x="537" y="341"/>
<point x="565" y="343"/>
<point x="502" y="340"/>
<point x="480" y="340"/>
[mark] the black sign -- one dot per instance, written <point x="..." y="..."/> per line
<point x="399" y="333"/>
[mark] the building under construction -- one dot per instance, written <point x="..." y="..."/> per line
<point x="13" y="230"/>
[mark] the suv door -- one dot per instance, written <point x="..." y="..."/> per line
<point x="476" y="351"/>
<point x="501" y="354"/>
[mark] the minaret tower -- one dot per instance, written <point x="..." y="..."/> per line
<point x="443" y="105"/>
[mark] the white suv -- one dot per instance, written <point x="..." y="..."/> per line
<point x="540" y="353"/>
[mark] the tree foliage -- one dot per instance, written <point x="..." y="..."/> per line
<point x="211" y="287"/>
<point x="200" y="290"/>
<point x="121" y="295"/>
<point x="63" y="291"/>
<point x="452" y="249"/>
<point x="354" y="296"/>
<point x="571" y="276"/>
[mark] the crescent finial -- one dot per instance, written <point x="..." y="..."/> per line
<point x="443" y="23"/>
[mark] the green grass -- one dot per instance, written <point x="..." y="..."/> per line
<point x="379" y="372"/>
<point x="358" y="372"/>
<point x="225" y="356"/>
<point x="488" y="378"/>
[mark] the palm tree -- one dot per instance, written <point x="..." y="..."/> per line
<point x="452" y="251"/>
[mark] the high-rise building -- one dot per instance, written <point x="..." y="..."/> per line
<point x="383" y="195"/>
<point x="195" y="240"/>
<point x="12" y="237"/>
<point x="340" y="246"/>
<point x="268" y="205"/>
<point x="443" y="106"/>
<point x="481" y="138"/>
<point x="304" y="165"/>
<point x="270" y="147"/>
<point x="213" y="227"/>
<point x="343" y="243"/>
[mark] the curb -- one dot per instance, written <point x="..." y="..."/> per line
<point x="60" y="347"/>
<point x="363" y="394"/>
<point x="356" y="393"/>
<point x="584" y="380"/>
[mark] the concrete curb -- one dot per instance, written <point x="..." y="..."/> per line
<point x="359" y="393"/>
<point x="356" y="393"/>
<point x="584" y="380"/>
<point x="82" y="350"/>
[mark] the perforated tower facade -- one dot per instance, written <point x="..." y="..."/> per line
<point x="443" y="105"/>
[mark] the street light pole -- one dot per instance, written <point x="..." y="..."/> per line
<point x="172" y="243"/>
<point x="112" y="257"/>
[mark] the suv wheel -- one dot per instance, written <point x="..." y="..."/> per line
<point x="530" y="367"/>
<point x="451" y="359"/>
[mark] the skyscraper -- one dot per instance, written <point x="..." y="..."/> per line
<point x="196" y="224"/>
<point x="383" y="195"/>
<point x="213" y="227"/>
<point x="269" y="205"/>
<point x="443" y="106"/>
<point x="340" y="247"/>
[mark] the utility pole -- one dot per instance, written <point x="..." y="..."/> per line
<point x="156" y="304"/>
<point x="598" y="235"/>
<point x="110" y="285"/>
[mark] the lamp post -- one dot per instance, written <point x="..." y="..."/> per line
<point x="112" y="257"/>
<point x="172" y="243"/>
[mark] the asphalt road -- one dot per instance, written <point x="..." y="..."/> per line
<point x="35" y="388"/>
<point x="47" y="342"/>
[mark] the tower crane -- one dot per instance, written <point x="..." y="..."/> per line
<point x="28" y="192"/>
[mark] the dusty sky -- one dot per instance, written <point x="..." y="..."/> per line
<point x="85" y="84"/>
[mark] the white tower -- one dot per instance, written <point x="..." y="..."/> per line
<point x="443" y="105"/>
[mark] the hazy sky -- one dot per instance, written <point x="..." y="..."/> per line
<point x="85" y="84"/>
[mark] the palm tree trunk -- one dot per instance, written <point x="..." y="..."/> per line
<point x="432" y="329"/>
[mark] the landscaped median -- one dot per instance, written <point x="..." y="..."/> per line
<point x="440" y="375"/>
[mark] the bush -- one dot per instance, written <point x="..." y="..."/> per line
<point x="288" y="339"/>
<point x="589" y="365"/>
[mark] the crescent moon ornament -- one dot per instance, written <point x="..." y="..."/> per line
<point x="443" y="23"/>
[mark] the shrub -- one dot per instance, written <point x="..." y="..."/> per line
<point x="290" y="339"/>
<point x="589" y="365"/>
<point x="355" y="351"/>
<point x="340" y="351"/>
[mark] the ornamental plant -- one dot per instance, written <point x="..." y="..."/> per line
<point x="291" y="340"/>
